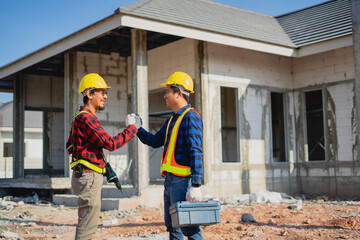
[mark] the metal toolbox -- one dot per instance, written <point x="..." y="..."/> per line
<point x="185" y="214"/>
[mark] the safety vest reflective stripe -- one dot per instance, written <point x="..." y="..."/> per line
<point x="168" y="162"/>
<point x="88" y="165"/>
<point x="84" y="162"/>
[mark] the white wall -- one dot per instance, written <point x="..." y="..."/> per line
<point x="173" y="57"/>
<point x="254" y="74"/>
<point x="230" y="64"/>
<point x="332" y="66"/>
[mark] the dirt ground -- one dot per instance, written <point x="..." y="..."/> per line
<point x="316" y="220"/>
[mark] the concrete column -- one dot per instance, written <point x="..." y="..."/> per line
<point x="140" y="105"/>
<point x="199" y="69"/>
<point x="205" y="108"/>
<point x="18" y="129"/>
<point x="70" y="101"/>
<point x="355" y="9"/>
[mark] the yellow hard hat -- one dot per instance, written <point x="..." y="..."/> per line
<point x="92" y="80"/>
<point x="181" y="79"/>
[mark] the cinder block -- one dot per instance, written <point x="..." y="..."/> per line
<point x="334" y="60"/>
<point x="344" y="67"/>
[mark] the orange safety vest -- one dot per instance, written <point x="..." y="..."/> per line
<point x="168" y="161"/>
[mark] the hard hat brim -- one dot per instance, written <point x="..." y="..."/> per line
<point x="95" y="88"/>
<point x="165" y="85"/>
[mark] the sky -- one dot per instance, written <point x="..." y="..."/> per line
<point x="28" y="25"/>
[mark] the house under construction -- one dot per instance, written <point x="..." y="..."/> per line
<point x="278" y="96"/>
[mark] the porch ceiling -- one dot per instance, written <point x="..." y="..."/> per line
<point x="117" y="40"/>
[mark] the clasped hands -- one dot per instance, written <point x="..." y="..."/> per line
<point x="133" y="119"/>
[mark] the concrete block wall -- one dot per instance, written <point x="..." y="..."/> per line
<point x="170" y="58"/>
<point x="249" y="67"/>
<point x="56" y="136"/>
<point x="332" y="66"/>
<point x="333" y="72"/>
<point x="39" y="93"/>
<point x="254" y="75"/>
<point x="114" y="69"/>
<point x="340" y="103"/>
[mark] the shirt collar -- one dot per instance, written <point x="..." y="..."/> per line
<point x="183" y="109"/>
<point x="82" y="108"/>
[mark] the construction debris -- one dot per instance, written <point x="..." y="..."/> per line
<point x="240" y="217"/>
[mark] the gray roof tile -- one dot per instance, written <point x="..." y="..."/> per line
<point x="212" y="16"/>
<point x="325" y="21"/>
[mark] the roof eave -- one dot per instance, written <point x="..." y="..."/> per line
<point x="133" y="21"/>
<point x="324" y="46"/>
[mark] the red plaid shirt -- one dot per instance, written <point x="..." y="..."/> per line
<point x="89" y="138"/>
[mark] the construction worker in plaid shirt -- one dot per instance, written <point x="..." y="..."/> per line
<point x="182" y="164"/>
<point x="86" y="142"/>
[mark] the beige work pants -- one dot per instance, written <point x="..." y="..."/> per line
<point x="88" y="188"/>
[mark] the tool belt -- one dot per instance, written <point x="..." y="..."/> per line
<point x="79" y="169"/>
<point x="87" y="164"/>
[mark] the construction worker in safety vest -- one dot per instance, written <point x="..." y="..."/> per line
<point x="86" y="142"/>
<point x="182" y="165"/>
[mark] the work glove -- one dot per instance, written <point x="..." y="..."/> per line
<point x="133" y="119"/>
<point x="138" y="121"/>
<point x="193" y="194"/>
<point x="130" y="120"/>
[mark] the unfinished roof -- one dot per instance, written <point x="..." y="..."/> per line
<point x="318" y="23"/>
<point x="212" y="16"/>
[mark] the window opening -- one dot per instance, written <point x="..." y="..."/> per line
<point x="278" y="127"/>
<point x="229" y="126"/>
<point x="315" y="125"/>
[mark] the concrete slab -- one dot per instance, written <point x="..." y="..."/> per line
<point x="151" y="196"/>
<point x="41" y="183"/>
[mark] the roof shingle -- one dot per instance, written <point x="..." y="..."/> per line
<point x="325" y="21"/>
<point x="212" y="16"/>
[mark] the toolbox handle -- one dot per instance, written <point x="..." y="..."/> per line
<point x="199" y="204"/>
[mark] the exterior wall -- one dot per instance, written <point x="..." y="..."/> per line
<point x="254" y="75"/>
<point x="112" y="118"/>
<point x="333" y="72"/>
<point x="170" y="58"/>
<point x="44" y="92"/>
<point x="329" y="67"/>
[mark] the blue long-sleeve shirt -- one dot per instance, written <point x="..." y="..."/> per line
<point x="188" y="149"/>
